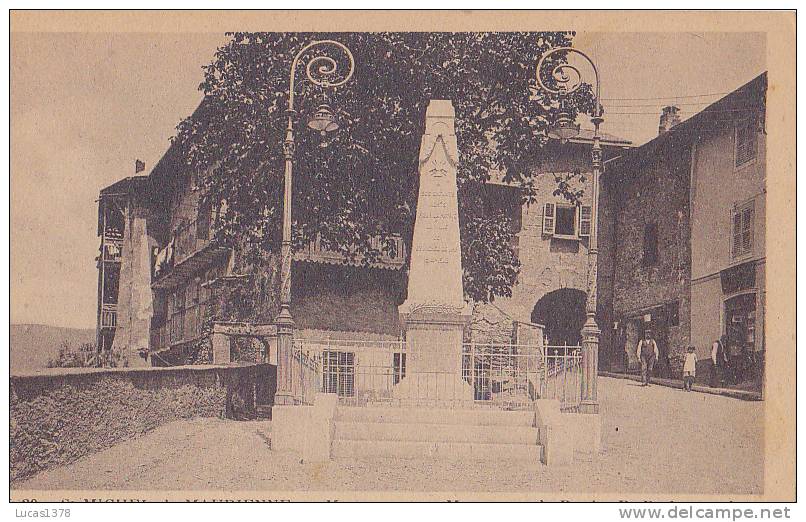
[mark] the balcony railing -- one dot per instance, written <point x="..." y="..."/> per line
<point x="187" y="241"/>
<point x="316" y="251"/>
<point x="109" y="316"/>
<point x="184" y="243"/>
<point x="159" y="338"/>
<point x="182" y="326"/>
<point x="113" y="248"/>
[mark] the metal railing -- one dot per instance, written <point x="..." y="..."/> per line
<point x="306" y="372"/>
<point x="505" y="376"/>
<point x="562" y="376"/>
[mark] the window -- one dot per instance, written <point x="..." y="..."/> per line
<point x="740" y="320"/>
<point x="742" y="236"/>
<point x="745" y="143"/>
<point x="673" y="313"/>
<point x="650" y="244"/>
<point x="398" y="367"/>
<point x="338" y="373"/>
<point x="566" y="221"/>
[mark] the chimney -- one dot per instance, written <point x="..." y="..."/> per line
<point x="669" y="117"/>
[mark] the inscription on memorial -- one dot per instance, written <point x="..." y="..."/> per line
<point x="436" y="249"/>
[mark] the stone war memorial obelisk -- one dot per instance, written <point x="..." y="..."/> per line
<point x="435" y="313"/>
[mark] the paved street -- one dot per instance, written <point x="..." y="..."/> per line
<point x="655" y="440"/>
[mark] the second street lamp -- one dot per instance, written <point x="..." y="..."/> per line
<point x="323" y="71"/>
<point x="568" y="79"/>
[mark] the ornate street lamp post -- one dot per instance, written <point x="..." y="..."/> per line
<point x="569" y="79"/>
<point x="319" y="71"/>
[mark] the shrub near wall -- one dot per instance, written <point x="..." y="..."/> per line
<point x="60" y="416"/>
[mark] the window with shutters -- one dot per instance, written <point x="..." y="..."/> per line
<point x="742" y="237"/>
<point x="746" y="143"/>
<point x="566" y="221"/>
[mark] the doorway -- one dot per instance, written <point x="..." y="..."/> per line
<point x="562" y="313"/>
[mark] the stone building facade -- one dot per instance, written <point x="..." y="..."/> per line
<point x="649" y="250"/>
<point x="552" y="246"/>
<point x="685" y="234"/>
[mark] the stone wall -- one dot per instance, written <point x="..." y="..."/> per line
<point x="547" y="263"/>
<point x="651" y="187"/>
<point x="61" y="415"/>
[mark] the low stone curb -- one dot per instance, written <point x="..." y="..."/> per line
<point x="672" y="383"/>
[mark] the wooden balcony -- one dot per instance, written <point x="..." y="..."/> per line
<point x="181" y="327"/>
<point x="187" y="241"/>
<point x="184" y="255"/>
<point x="316" y="252"/>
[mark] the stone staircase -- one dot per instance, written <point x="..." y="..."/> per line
<point x="430" y="433"/>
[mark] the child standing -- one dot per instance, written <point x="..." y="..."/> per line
<point x="689" y="369"/>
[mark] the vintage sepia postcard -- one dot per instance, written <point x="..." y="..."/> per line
<point x="477" y="255"/>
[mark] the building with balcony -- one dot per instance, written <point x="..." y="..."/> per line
<point x="167" y="290"/>
<point x="117" y="215"/>
<point x="191" y="300"/>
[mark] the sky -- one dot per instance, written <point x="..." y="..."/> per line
<point x="85" y="106"/>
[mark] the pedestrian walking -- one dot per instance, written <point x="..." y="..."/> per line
<point x="719" y="361"/>
<point x="689" y="369"/>
<point x="648" y="354"/>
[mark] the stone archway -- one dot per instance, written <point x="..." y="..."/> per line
<point x="562" y="312"/>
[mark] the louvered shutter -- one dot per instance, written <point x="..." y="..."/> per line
<point x="737" y="234"/>
<point x="747" y="230"/>
<point x="549" y="218"/>
<point x="584" y="221"/>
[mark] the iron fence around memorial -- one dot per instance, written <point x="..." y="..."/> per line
<point x="306" y="374"/>
<point x="562" y="376"/>
<point x="504" y="376"/>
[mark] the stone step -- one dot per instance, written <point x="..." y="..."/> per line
<point x="472" y="417"/>
<point x="357" y="449"/>
<point x="387" y="431"/>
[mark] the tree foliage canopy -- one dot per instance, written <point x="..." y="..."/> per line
<point x="361" y="181"/>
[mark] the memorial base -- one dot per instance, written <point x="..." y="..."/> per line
<point x="434" y="356"/>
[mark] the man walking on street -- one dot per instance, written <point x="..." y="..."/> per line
<point x="718" y="360"/>
<point x="647" y="352"/>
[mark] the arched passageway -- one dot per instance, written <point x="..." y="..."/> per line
<point x="562" y="312"/>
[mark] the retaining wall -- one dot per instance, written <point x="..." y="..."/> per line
<point x="61" y="415"/>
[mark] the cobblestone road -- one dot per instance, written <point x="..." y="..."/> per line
<point x="656" y="440"/>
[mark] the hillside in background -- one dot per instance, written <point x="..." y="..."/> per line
<point x="32" y="345"/>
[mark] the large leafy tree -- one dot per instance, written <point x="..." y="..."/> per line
<point x="361" y="181"/>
